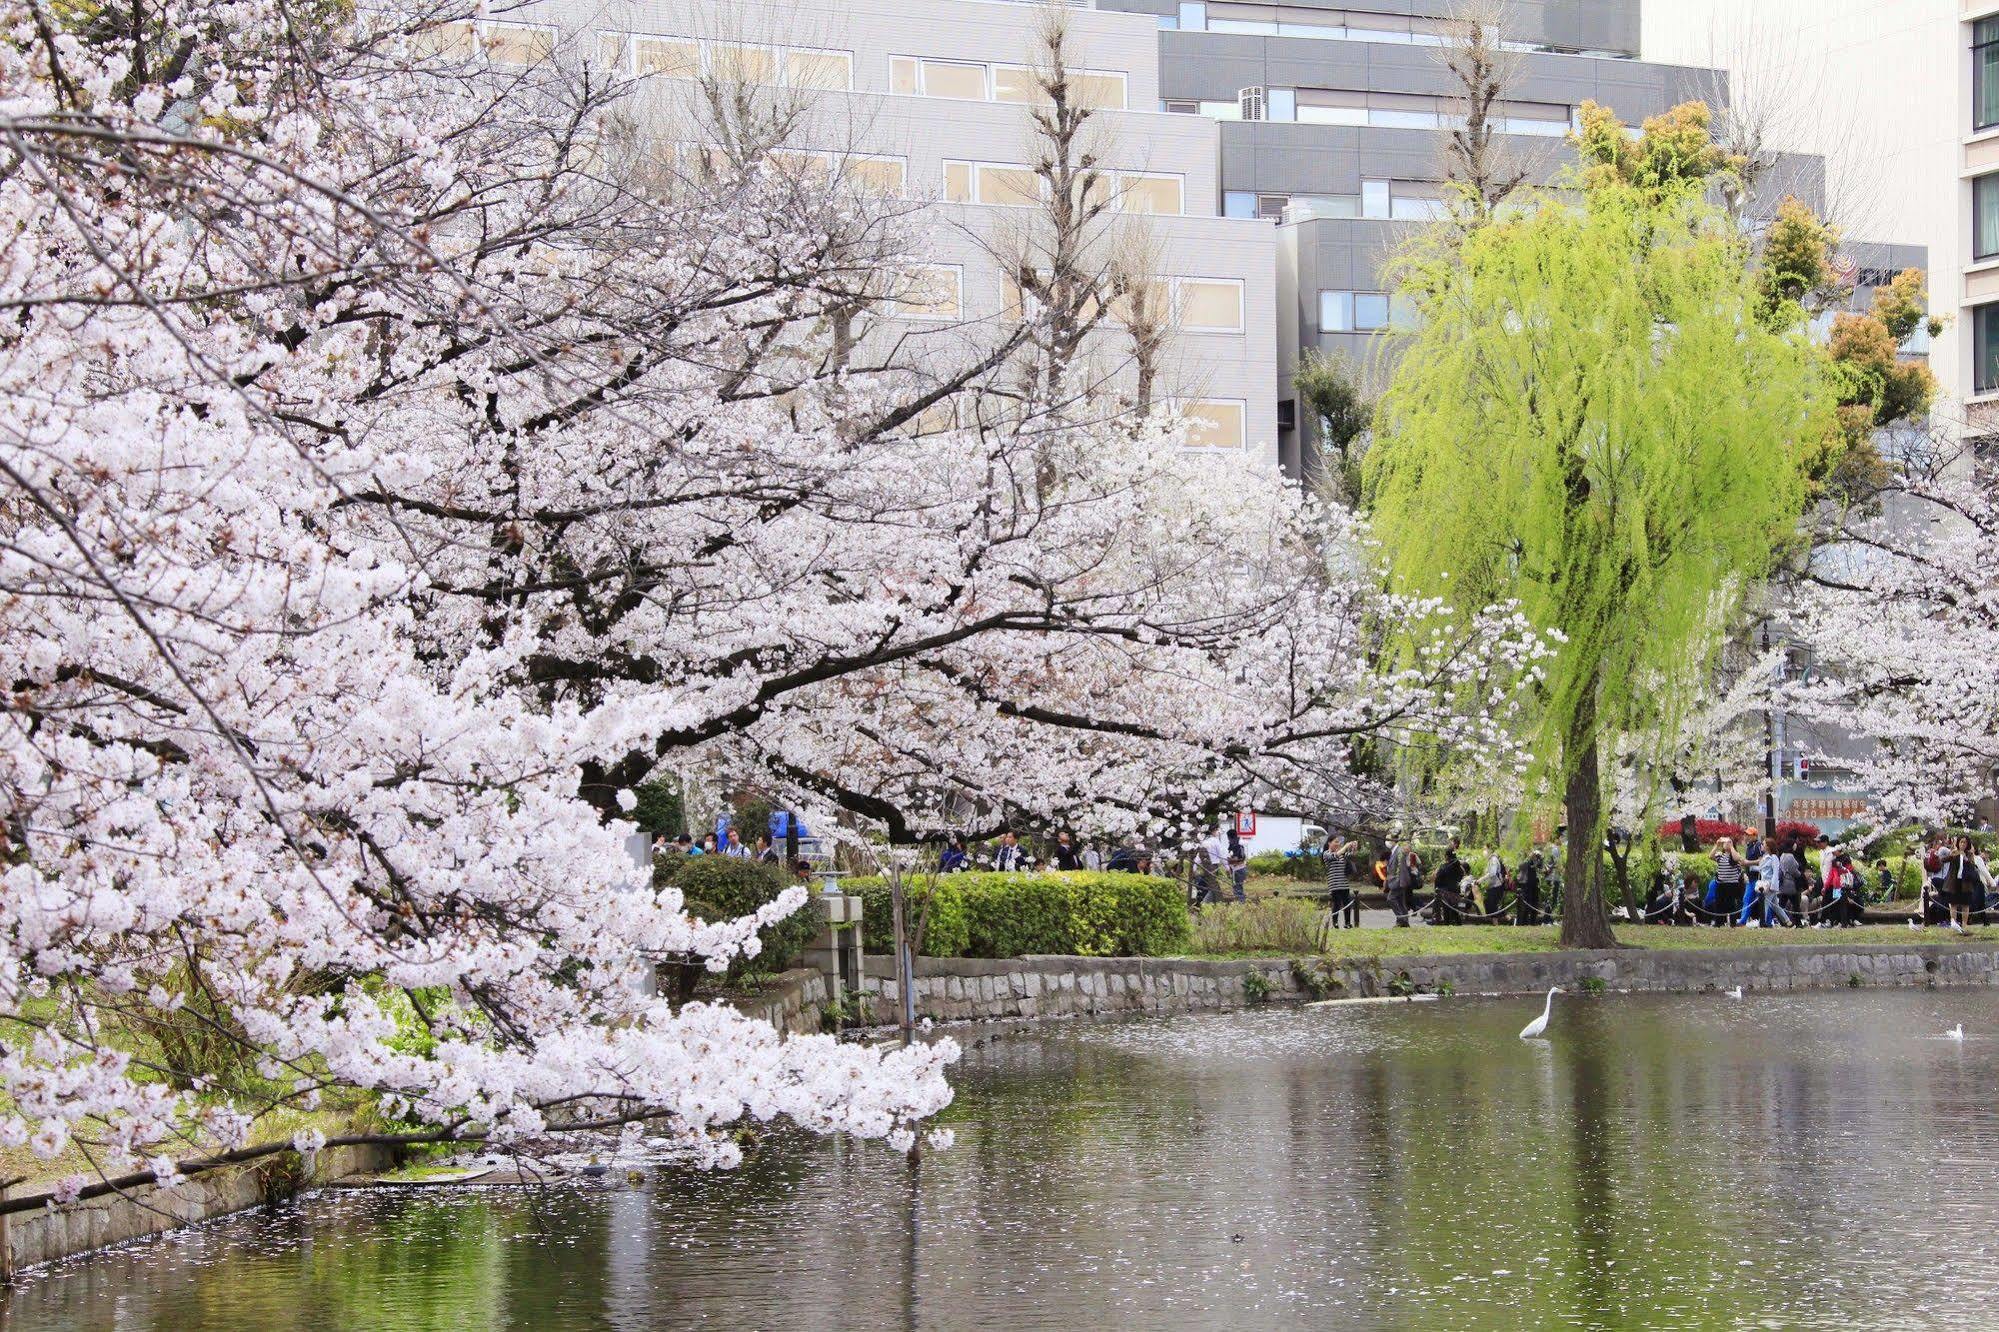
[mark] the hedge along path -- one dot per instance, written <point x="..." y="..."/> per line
<point x="1085" y="913"/>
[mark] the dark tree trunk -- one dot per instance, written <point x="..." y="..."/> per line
<point x="1620" y="861"/>
<point x="1585" y="918"/>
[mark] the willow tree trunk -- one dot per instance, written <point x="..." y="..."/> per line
<point x="1585" y="917"/>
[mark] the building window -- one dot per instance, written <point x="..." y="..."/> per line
<point x="737" y="62"/>
<point x="1985" y="74"/>
<point x="1339" y="106"/>
<point x="668" y="57"/>
<point x="991" y="183"/>
<point x="930" y="291"/>
<point x="1363" y="312"/>
<point x="1016" y="185"/>
<point x="1985" y="217"/>
<point x="1985" y="349"/>
<point x="1353" y="25"/>
<point x="1208" y="305"/>
<point x="882" y="176"/>
<point x="830" y="70"/>
<point x="871" y="175"/>
<point x="500" y="43"/>
<point x="1238" y="203"/>
<point x="1215" y="423"/>
<point x="972" y="81"/>
<point x="1145" y="192"/>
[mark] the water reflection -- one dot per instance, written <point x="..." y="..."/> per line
<point x="1778" y="1162"/>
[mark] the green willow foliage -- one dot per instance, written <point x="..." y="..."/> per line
<point x="1591" y="420"/>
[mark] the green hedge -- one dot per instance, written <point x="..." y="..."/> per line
<point x="725" y="887"/>
<point x="1091" y="914"/>
<point x="1697" y="867"/>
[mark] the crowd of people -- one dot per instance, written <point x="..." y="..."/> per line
<point x="1770" y="885"/>
<point x="1460" y="894"/>
<point x="1781" y="885"/>
<point x="1765" y="884"/>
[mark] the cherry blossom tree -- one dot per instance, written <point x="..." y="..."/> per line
<point x="413" y="436"/>
<point x="1899" y="612"/>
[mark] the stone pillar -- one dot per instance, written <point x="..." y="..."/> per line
<point x="836" y="952"/>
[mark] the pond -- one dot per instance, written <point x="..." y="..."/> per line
<point x="1786" y="1161"/>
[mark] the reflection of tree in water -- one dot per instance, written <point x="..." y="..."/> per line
<point x="1416" y="1168"/>
<point x="1593" y="1109"/>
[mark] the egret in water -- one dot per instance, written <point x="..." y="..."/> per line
<point x="1540" y="1024"/>
<point x="1955" y="1033"/>
<point x="1735" y="993"/>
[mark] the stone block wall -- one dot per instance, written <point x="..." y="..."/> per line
<point x="1052" y="986"/>
<point x="791" y="1001"/>
<point x="62" y="1232"/>
<point x="956" y="989"/>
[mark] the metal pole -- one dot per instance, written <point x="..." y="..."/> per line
<point x="1770" y="753"/>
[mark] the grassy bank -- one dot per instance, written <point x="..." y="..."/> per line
<point x="1461" y="939"/>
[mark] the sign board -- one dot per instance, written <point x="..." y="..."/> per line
<point x="1814" y="808"/>
<point x="1245" y="823"/>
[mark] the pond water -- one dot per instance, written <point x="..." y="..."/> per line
<point x="1795" y="1161"/>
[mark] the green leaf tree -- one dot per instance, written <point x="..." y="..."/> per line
<point x="1592" y="419"/>
<point x="1329" y="388"/>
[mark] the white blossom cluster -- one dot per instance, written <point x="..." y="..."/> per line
<point x="1901" y="620"/>
<point x="403" y="460"/>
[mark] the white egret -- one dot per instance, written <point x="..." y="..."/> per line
<point x="1955" y="1033"/>
<point x="1540" y="1024"/>
<point x="1735" y="993"/>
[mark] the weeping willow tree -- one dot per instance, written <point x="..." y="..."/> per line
<point x="1591" y="420"/>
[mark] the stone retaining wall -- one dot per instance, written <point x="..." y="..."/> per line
<point x="1054" y="986"/>
<point x="791" y="1001"/>
<point x="64" y="1232"/>
<point x="1029" y="987"/>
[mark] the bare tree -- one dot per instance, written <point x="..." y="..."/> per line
<point x="1482" y="68"/>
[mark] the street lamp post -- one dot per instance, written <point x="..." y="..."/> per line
<point x="1770" y="751"/>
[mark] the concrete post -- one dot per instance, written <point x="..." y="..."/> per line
<point x="836" y="952"/>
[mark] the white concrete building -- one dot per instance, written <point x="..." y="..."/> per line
<point x="929" y="98"/>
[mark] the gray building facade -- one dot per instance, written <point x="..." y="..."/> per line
<point x="1333" y="119"/>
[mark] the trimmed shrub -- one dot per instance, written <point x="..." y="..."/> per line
<point x="1708" y="831"/>
<point x="1270" y="862"/>
<point x="1792" y="830"/>
<point x="1696" y="868"/>
<point x="1089" y="913"/>
<point x="725" y="887"/>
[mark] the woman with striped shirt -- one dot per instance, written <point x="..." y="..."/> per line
<point x="1340" y="897"/>
<point x="1728" y="879"/>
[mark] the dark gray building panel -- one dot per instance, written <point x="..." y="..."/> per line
<point x="1608" y="27"/>
<point x="1212" y="66"/>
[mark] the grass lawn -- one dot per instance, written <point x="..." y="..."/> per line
<point x="1435" y="941"/>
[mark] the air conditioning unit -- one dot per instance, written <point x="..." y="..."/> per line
<point x="1249" y="102"/>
